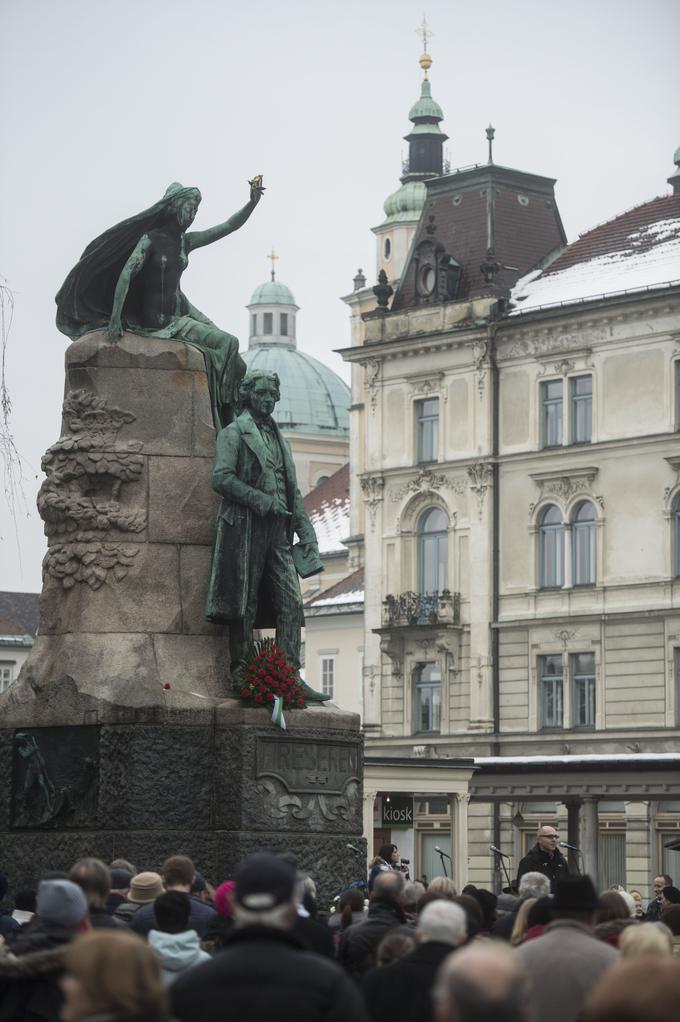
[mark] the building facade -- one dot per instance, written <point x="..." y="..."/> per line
<point x="516" y="509"/>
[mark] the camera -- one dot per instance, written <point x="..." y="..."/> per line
<point x="405" y="862"/>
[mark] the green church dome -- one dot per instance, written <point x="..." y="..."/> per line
<point x="406" y="203"/>
<point x="273" y="292"/>
<point x="313" y="398"/>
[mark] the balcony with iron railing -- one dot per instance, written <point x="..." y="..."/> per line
<point x="410" y="610"/>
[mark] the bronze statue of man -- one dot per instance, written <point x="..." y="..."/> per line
<point x="254" y="580"/>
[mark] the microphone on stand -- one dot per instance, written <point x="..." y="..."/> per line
<point x="499" y="852"/>
<point x="440" y="851"/>
<point x="353" y="848"/>
<point x="572" y="848"/>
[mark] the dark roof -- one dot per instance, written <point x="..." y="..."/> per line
<point x="335" y="488"/>
<point x="21" y="611"/>
<point x="614" y="235"/>
<point x="353" y="583"/>
<point x="522" y="211"/>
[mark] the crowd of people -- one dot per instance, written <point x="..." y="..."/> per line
<point x="109" y="942"/>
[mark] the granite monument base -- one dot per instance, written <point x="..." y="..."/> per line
<point x="226" y="784"/>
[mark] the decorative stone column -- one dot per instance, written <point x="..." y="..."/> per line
<point x="574" y="833"/>
<point x="590" y="836"/>
<point x="458" y="802"/>
<point x="367" y="811"/>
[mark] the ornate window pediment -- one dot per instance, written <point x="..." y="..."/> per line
<point x="437" y="274"/>
<point x="565" y="483"/>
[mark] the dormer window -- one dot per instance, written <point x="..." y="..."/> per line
<point x="427" y="280"/>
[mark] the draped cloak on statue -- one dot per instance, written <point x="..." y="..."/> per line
<point x="85" y="300"/>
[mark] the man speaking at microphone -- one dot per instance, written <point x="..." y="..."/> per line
<point x="545" y="858"/>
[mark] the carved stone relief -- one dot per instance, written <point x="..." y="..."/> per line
<point x="80" y="500"/>
<point x="425" y="481"/>
<point x="372" y="488"/>
<point x="480" y="350"/>
<point x="480" y="474"/>
<point x="371" y="368"/>
<point x="317" y="783"/>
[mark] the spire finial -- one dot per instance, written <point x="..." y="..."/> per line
<point x="490" y="132"/>
<point x="674" y="179"/>
<point x="273" y="256"/>
<point x="426" y="34"/>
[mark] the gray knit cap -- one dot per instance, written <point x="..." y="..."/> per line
<point x="61" y="903"/>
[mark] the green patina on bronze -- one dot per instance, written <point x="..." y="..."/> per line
<point x="129" y="278"/>
<point x="254" y="581"/>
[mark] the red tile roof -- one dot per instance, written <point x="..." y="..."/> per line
<point x="328" y="508"/>
<point x="21" y="609"/>
<point x="8" y="627"/>
<point x="614" y="235"/>
<point x="637" y="250"/>
<point x="353" y="583"/>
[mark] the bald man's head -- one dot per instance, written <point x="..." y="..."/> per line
<point x="389" y="885"/>
<point x="481" y="983"/>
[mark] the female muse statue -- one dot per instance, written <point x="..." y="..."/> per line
<point x="129" y="278"/>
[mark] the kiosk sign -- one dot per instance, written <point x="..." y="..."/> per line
<point x="397" y="811"/>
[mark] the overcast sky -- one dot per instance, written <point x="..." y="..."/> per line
<point x="105" y="102"/>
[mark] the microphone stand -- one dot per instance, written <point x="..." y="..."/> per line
<point x="441" y="858"/>
<point x="500" y="861"/>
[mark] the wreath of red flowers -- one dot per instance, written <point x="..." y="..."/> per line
<point x="265" y="674"/>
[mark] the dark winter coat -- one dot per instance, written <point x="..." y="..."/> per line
<point x="40" y="936"/>
<point x="8" y="925"/>
<point x="402" y="990"/>
<point x="247" y="485"/>
<point x="552" y="865"/>
<point x="314" y="936"/>
<point x="201" y="915"/>
<point x="359" y="943"/>
<point x="29" y="987"/>
<point x="261" y="975"/>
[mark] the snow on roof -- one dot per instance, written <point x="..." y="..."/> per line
<point x="328" y="510"/>
<point x="347" y="591"/>
<point x="638" y="250"/>
<point x="624" y="757"/>
<point x="356" y="596"/>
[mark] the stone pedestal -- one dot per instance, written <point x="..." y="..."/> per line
<point x="120" y="736"/>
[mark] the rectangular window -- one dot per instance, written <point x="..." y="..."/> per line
<point x="550" y="674"/>
<point x="612" y="858"/>
<point x="583" y="678"/>
<point x="6" y="673"/>
<point x="427" y="429"/>
<point x="284" y="323"/>
<point x="268" y="327"/>
<point x="581" y="394"/>
<point x="253" y="325"/>
<point x="551" y="413"/>
<point x="328" y="676"/>
<point x="427" y="692"/>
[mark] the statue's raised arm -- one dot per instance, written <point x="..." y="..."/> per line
<point x="129" y="279"/>
<point x="196" y="239"/>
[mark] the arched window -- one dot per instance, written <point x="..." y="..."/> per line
<point x="432" y="551"/>
<point x="676" y="535"/>
<point x="584" y="544"/>
<point x="551" y="548"/>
